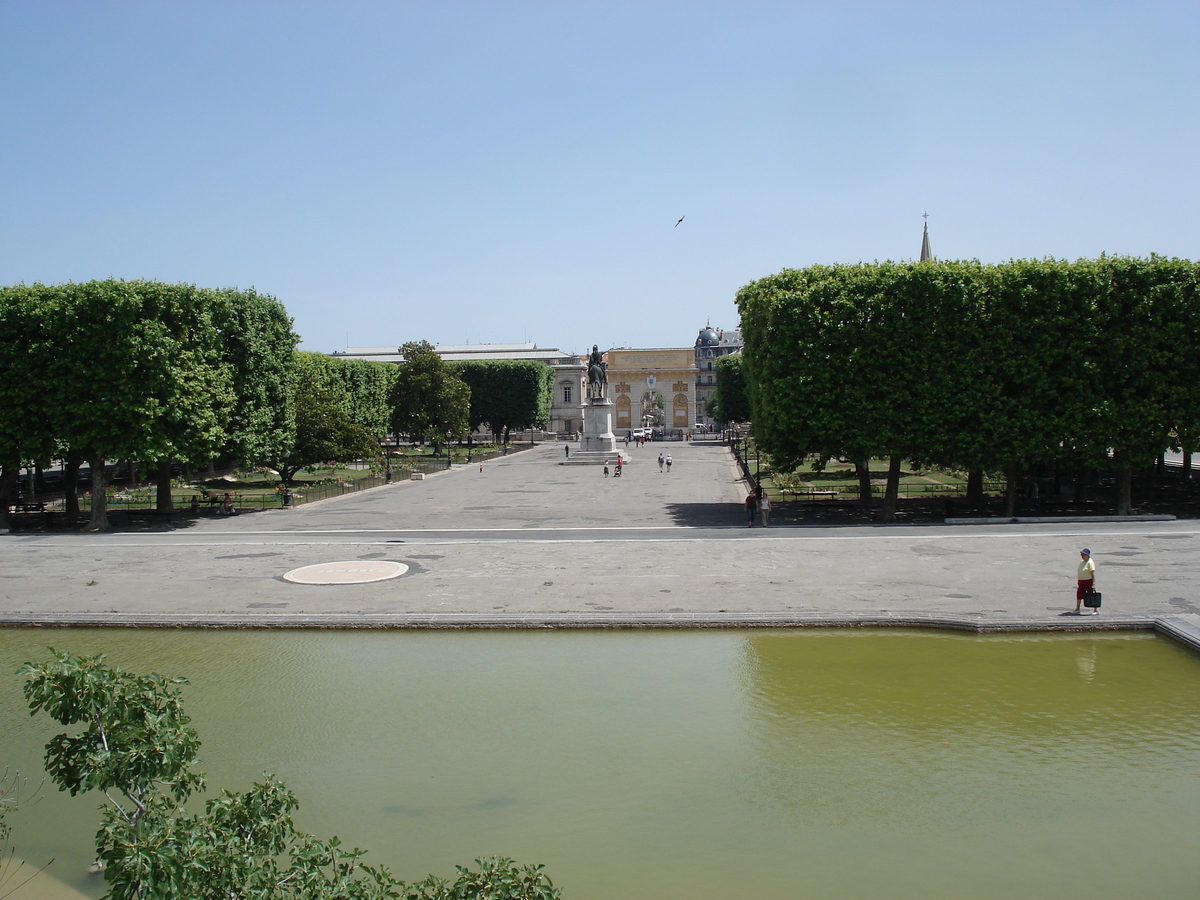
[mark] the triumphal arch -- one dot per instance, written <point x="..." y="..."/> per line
<point x="653" y="388"/>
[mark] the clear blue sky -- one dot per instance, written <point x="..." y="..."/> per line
<point x="495" y="172"/>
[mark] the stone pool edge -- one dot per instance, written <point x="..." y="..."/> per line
<point x="1184" y="628"/>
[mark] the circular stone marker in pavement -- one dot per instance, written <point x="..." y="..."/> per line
<point x="355" y="571"/>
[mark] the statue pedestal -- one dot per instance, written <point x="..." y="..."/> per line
<point x="597" y="442"/>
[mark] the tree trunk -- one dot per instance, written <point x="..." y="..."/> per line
<point x="165" y="502"/>
<point x="1187" y="463"/>
<point x="1124" y="491"/>
<point x="892" y="492"/>
<point x="862" y="468"/>
<point x="8" y="488"/>
<point x="975" y="488"/>
<point x="71" y="488"/>
<point x="99" y="521"/>
<point x="1010" y="490"/>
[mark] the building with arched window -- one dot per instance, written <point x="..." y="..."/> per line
<point x="711" y="345"/>
<point x="652" y="388"/>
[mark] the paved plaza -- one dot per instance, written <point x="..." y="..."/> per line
<point x="528" y="541"/>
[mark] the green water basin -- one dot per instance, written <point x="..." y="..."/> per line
<point x="686" y="764"/>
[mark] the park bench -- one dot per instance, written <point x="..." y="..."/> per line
<point x="811" y="495"/>
<point x="28" y="506"/>
<point x="213" y="501"/>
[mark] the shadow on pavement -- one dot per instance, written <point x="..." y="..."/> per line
<point x="706" y="514"/>
<point x="57" y="522"/>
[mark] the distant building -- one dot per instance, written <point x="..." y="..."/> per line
<point x="665" y="387"/>
<point x="570" y="373"/>
<point x="652" y="388"/>
<point x="711" y="344"/>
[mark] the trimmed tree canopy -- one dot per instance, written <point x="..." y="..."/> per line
<point x="975" y="366"/>
<point x="429" y="401"/>
<point x="730" y="402"/>
<point x="139" y="369"/>
<point x="508" y="394"/>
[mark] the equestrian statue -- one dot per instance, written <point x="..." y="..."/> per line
<point x="597" y="376"/>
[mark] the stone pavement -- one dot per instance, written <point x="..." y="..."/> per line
<point x="530" y="542"/>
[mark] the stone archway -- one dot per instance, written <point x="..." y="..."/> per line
<point x="653" y="410"/>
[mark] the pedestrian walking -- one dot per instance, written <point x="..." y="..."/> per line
<point x="567" y="450"/>
<point x="751" y="509"/>
<point x="764" y="506"/>
<point x="661" y="460"/>
<point x="617" y="470"/>
<point x="1086" y="579"/>
<point x="606" y="468"/>
<point x="668" y="463"/>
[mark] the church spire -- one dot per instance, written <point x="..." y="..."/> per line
<point x="926" y="253"/>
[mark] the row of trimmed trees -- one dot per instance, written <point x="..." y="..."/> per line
<point x="978" y="367"/>
<point x="345" y="407"/>
<point x="141" y="370"/>
<point x="434" y="400"/>
<point x="109" y="370"/>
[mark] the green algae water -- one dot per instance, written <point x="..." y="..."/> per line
<point x="698" y="764"/>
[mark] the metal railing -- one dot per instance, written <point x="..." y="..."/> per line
<point x="851" y="492"/>
<point x="297" y="495"/>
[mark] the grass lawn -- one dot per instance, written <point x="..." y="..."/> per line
<point x="840" y="477"/>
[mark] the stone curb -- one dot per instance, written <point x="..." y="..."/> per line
<point x="1183" y="628"/>
<point x="1035" y="520"/>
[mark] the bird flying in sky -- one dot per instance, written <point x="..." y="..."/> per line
<point x="681" y="218"/>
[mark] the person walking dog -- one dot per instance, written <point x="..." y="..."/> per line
<point x="1086" y="579"/>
